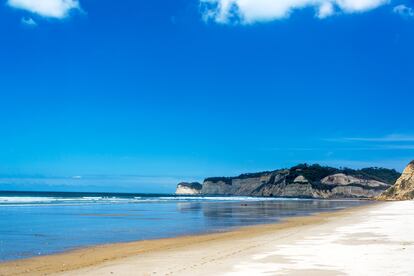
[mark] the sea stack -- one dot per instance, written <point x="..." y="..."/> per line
<point x="403" y="188"/>
<point x="185" y="188"/>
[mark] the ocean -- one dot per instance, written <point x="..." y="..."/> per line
<point x="41" y="223"/>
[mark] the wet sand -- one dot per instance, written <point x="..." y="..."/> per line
<point x="376" y="239"/>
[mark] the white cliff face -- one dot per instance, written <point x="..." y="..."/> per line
<point x="188" y="189"/>
<point x="403" y="188"/>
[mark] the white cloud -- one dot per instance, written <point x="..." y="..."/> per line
<point x="388" y="142"/>
<point x="325" y="10"/>
<point x="388" y="138"/>
<point x="404" y="10"/>
<point x="250" y="11"/>
<point x="29" y="21"/>
<point x="47" y="8"/>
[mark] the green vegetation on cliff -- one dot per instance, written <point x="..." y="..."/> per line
<point x="315" y="173"/>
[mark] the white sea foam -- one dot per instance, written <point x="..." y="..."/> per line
<point x="22" y="199"/>
<point x="16" y="200"/>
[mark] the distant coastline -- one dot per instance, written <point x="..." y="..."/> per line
<point x="301" y="181"/>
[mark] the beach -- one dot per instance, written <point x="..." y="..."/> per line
<point x="375" y="239"/>
<point x="33" y="225"/>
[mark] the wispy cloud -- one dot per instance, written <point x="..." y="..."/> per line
<point x="379" y="143"/>
<point x="397" y="147"/>
<point x="28" y="21"/>
<point x="403" y="10"/>
<point x="47" y="8"/>
<point x="251" y="11"/>
<point x="382" y="147"/>
<point x="387" y="138"/>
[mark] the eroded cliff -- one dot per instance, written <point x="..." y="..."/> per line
<point x="403" y="188"/>
<point x="307" y="181"/>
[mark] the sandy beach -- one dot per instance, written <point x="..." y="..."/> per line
<point x="376" y="239"/>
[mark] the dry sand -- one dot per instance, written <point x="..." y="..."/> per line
<point x="371" y="240"/>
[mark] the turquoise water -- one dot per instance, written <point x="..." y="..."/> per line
<point x="33" y="224"/>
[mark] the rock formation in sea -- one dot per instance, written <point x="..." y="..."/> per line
<point x="305" y="181"/>
<point x="185" y="188"/>
<point x="403" y="188"/>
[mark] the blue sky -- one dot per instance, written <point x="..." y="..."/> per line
<point x="153" y="92"/>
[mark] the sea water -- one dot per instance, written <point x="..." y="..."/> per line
<point x="40" y="223"/>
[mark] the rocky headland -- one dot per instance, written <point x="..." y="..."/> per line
<point x="304" y="181"/>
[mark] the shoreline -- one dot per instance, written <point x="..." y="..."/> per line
<point x="94" y="256"/>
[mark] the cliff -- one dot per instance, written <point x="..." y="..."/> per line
<point x="307" y="181"/>
<point x="185" y="188"/>
<point x="403" y="188"/>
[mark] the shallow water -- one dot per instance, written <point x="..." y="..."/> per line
<point x="33" y="224"/>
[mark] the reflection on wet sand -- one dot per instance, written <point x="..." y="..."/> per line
<point x="233" y="214"/>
